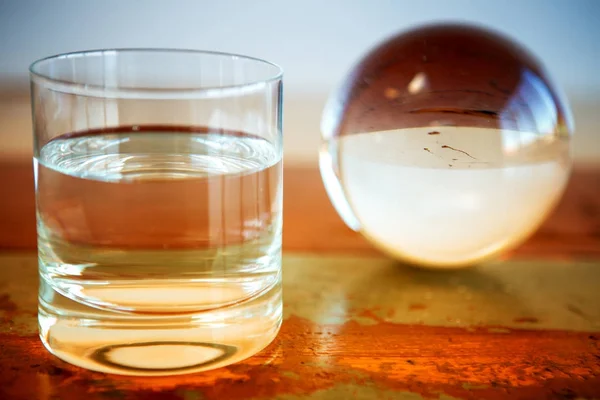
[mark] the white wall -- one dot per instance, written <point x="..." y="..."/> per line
<point x="315" y="41"/>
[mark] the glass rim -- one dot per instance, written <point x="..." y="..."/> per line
<point x="97" y="90"/>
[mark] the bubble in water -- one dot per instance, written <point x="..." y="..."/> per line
<point x="446" y="145"/>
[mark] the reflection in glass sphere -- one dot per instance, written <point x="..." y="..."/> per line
<point x="445" y="145"/>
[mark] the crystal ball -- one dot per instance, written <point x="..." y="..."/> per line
<point x="446" y="145"/>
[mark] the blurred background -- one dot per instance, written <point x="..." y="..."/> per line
<point x="315" y="41"/>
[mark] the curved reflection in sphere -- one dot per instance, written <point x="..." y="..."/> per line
<point x="446" y="145"/>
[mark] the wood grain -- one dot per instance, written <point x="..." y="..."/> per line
<point x="353" y="329"/>
<point x="357" y="325"/>
<point x="533" y="365"/>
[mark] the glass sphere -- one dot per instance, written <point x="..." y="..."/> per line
<point x="445" y="145"/>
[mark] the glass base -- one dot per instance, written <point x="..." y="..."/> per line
<point x="159" y="345"/>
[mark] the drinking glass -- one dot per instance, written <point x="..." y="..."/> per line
<point x="158" y="179"/>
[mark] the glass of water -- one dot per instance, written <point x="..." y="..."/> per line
<point x="158" y="180"/>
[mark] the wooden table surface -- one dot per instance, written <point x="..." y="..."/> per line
<point x="357" y="325"/>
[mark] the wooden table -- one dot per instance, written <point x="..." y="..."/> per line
<point x="357" y="325"/>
